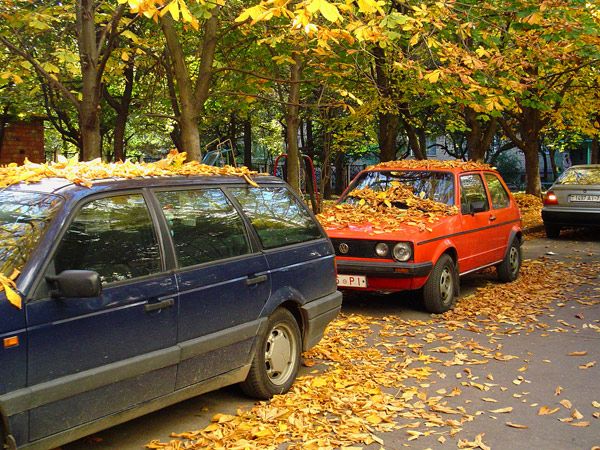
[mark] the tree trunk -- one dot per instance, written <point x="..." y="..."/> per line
<point x="553" y="164"/>
<point x="292" y="120"/>
<point x="532" y="168"/>
<point x="189" y="110"/>
<point x="340" y="182"/>
<point x="248" y="143"/>
<point x="89" y="107"/>
<point x="122" y="109"/>
<point x="310" y="142"/>
<point x="389" y="126"/>
<point x="480" y="135"/>
<point x="414" y="140"/>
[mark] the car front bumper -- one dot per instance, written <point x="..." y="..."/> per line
<point x="384" y="269"/>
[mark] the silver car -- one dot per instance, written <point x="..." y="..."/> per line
<point x="573" y="200"/>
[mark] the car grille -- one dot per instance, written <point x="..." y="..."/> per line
<point x="359" y="248"/>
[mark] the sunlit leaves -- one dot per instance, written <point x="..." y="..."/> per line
<point x="7" y="284"/>
<point x="84" y="173"/>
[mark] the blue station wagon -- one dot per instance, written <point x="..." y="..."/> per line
<point x="139" y="293"/>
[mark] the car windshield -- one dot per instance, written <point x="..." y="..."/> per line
<point x="23" y="219"/>
<point x="580" y="175"/>
<point x="436" y="186"/>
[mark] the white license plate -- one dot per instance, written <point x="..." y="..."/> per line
<point x="352" y="281"/>
<point x="584" y="198"/>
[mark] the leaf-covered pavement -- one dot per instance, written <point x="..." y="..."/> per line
<point x="462" y="379"/>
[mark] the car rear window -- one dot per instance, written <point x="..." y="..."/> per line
<point x="277" y="216"/>
<point x="580" y="175"/>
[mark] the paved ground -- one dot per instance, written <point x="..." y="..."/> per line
<point x="545" y="372"/>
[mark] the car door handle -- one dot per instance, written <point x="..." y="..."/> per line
<point x="492" y="218"/>
<point x="256" y="280"/>
<point x="167" y="303"/>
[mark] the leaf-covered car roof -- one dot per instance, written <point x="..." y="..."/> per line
<point x="431" y="164"/>
<point x="84" y="173"/>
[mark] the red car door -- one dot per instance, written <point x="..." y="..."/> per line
<point x="478" y="222"/>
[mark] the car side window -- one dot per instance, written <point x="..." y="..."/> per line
<point x="500" y="198"/>
<point x="472" y="194"/>
<point x="113" y="236"/>
<point x="204" y="225"/>
<point x="277" y="216"/>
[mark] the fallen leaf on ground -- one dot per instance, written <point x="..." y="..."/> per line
<point x="545" y="410"/>
<point x="502" y="410"/>
<point x="516" y="425"/>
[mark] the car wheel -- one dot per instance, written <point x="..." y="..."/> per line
<point x="439" y="292"/>
<point x="552" y="231"/>
<point x="277" y="357"/>
<point x="508" y="269"/>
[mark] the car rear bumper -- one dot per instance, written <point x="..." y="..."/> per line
<point x="317" y="315"/>
<point x="574" y="218"/>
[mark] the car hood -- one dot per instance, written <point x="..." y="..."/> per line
<point x="414" y="232"/>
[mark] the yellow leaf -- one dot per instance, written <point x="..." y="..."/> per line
<point x="516" y="425"/>
<point x="502" y="410"/>
<point x="545" y="410"/>
<point x="12" y="297"/>
<point x="329" y="11"/>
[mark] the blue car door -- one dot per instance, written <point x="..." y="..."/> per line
<point x="223" y="281"/>
<point x="91" y="357"/>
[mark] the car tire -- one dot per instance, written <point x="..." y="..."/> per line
<point x="552" y="231"/>
<point x="439" y="292"/>
<point x="276" y="359"/>
<point x="508" y="269"/>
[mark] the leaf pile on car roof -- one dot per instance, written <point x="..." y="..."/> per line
<point x="386" y="211"/>
<point x="83" y="173"/>
<point x="376" y="375"/>
<point x="431" y="164"/>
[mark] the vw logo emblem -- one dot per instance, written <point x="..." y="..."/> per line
<point x="343" y="248"/>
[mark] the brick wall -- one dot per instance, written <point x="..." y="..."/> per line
<point x="23" y="140"/>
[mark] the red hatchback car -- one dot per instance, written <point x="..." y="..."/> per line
<point x="407" y="225"/>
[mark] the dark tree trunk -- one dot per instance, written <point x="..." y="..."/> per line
<point x="480" y="135"/>
<point x="3" y="123"/>
<point x="415" y="140"/>
<point x="389" y="124"/>
<point x="310" y="142"/>
<point x="340" y="181"/>
<point x="292" y="120"/>
<point x="248" y="143"/>
<point x="553" y="164"/>
<point x="122" y="109"/>
<point x="595" y="157"/>
<point x="191" y="97"/>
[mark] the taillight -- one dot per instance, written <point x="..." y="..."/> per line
<point x="550" y="198"/>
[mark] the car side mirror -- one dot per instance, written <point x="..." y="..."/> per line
<point x="477" y="206"/>
<point x="75" y="284"/>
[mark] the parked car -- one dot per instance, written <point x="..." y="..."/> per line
<point x="573" y="200"/>
<point x="140" y="293"/>
<point x="480" y="227"/>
